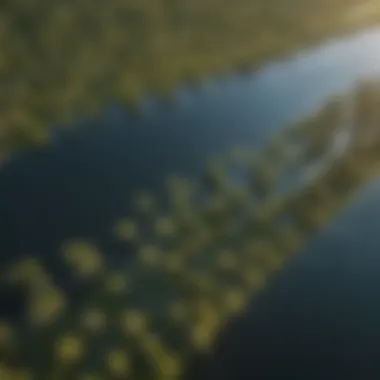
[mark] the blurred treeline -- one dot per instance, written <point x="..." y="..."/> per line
<point x="61" y="59"/>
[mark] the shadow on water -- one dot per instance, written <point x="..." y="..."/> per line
<point x="318" y="318"/>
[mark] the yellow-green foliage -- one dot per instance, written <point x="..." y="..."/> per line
<point x="195" y="267"/>
<point x="64" y="58"/>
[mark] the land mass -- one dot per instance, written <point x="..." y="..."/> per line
<point x="60" y="60"/>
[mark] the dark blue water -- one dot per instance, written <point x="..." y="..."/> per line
<point x="320" y="318"/>
<point x="322" y="311"/>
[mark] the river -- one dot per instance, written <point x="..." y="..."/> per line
<point x="319" y="319"/>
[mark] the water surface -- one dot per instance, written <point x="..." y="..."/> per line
<point x="320" y="316"/>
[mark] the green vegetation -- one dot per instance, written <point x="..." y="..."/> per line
<point x="196" y="267"/>
<point x="63" y="59"/>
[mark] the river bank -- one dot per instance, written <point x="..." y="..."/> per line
<point x="73" y="60"/>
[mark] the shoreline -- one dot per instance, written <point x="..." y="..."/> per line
<point x="165" y="67"/>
